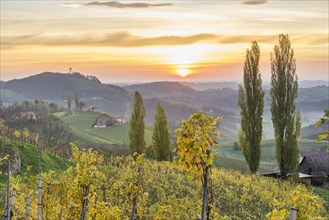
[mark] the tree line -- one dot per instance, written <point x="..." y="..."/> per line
<point x="40" y="128"/>
<point x="79" y="105"/>
<point x="285" y="118"/>
<point x="160" y="148"/>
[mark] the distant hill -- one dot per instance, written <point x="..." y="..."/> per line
<point x="317" y="94"/>
<point x="211" y="85"/>
<point x="56" y="86"/>
<point x="225" y="98"/>
<point x="180" y="110"/>
<point x="312" y="83"/>
<point x="178" y="99"/>
<point x="312" y="132"/>
<point x="312" y="94"/>
<point x="160" y="89"/>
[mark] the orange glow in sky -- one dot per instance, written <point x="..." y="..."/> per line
<point x="197" y="40"/>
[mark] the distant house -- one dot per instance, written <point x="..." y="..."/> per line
<point x="100" y="123"/>
<point x="103" y="121"/>
<point x="121" y="120"/>
<point x="27" y="115"/>
<point x="317" y="166"/>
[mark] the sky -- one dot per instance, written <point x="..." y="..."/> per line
<point x="141" y="41"/>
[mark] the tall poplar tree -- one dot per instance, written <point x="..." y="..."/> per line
<point x="137" y="126"/>
<point x="69" y="102"/>
<point x="251" y="102"/>
<point x="286" y="120"/>
<point x="77" y="101"/>
<point x="160" y="136"/>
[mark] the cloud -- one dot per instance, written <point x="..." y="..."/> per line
<point x="233" y="39"/>
<point x="125" y="39"/>
<point x="115" y="4"/>
<point x="120" y="39"/>
<point x="71" y="5"/>
<point x="255" y="2"/>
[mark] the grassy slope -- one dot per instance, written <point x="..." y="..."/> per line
<point x="81" y="124"/>
<point x="229" y="158"/>
<point x="29" y="157"/>
<point x="115" y="134"/>
<point x="81" y="121"/>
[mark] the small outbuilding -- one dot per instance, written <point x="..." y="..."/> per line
<point x="316" y="165"/>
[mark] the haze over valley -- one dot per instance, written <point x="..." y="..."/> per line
<point x="164" y="109"/>
<point x="179" y="99"/>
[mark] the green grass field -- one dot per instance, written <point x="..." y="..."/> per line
<point x="80" y="121"/>
<point x="81" y="125"/>
<point x="113" y="134"/>
<point x="235" y="159"/>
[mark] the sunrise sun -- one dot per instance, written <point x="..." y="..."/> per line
<point x="183" y="72"/>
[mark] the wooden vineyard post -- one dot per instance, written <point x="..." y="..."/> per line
<point x="84" y="203"/>
<point x="134" y="210"/>
<point x="39" y="210"/>
<point x="27" y="208"/>
<point x="8" y="191"/>
<point x="293" y="213"/>
<point x="12" y="200"/>
<point x="205" y="194"/>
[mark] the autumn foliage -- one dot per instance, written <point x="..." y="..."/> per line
<point x="165" y="191"/>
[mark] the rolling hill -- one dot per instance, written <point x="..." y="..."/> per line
<point x="178" y="99"/>
<point x="211" y="85"/>
<point x="312" y="132"/>
<point x="160" y="89"/>
<point x="56" y="86"/>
